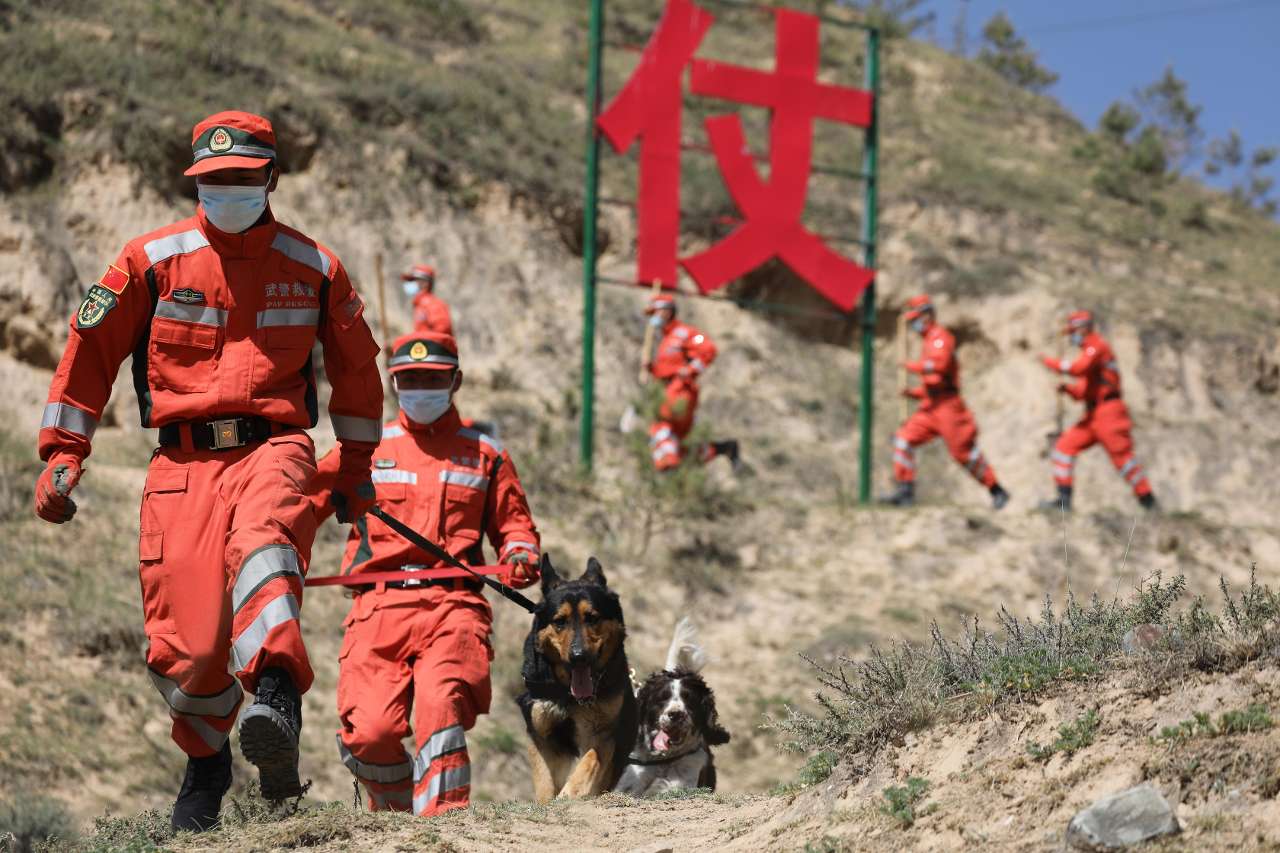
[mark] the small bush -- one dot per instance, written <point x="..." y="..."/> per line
<point x="29" y="820"/>
<point x="1072" y="737"/>
<point x="1255" y="718"/>
<point x="900" y="802"/>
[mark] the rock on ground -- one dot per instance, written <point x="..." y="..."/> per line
<point x="1129" y="817"/>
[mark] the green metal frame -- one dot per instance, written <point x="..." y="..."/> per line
<point x="590" y="214"/>
<point x="869" y="175"/>
<point x="870" y="165"/>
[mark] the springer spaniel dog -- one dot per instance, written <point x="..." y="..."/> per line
<point x="678" y="724"/>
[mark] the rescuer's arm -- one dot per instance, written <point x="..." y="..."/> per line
<point x="104" y="329"/>
<point x="355" y="407"/>
<point x="511" y="530"/>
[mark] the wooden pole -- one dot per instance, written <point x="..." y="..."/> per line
<point x="382" y="298"/>
<point x="650" y="333"/>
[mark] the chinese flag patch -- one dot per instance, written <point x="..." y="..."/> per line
<point x="114" y="279"/>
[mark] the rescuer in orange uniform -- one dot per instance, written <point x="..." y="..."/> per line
<point x="220" y="312"/>
<point x="942" y="411"/>
<point x="1106" y="418"/>
<point x="430" y="312"/>
<point x="683" y="354"/>
<point x="422" y="647"/>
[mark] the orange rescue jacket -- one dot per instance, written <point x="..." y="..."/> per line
<point x="938" y="367"/>
<point x="682" y="346"/>
<point x="219" y="325"/>
<point x="431" y="314"/>
<point x="1096" y="370"/>
<point x="452" y="484"/>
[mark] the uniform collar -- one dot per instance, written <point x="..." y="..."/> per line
<point x="670" y="327"/>
<point x="250" y="243"/>
<point x="447" y="424"/>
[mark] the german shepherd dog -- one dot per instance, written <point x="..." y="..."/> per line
<point x="578" y="704"/>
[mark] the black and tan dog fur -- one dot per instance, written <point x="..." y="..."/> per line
<point x="578" y="704"/>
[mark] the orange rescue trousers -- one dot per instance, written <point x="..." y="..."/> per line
<point x="675" y="420"/>
<point x="225" y="540"/>
<point x="949" y="418"/>
<point x="423" y="651"/>
<point x="1107" y="424"/>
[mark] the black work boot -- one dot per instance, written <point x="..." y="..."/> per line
<point x="999" y="497"/>
<point x="1062" y="503"/>
<point x="269" y="732"/>
<point x="200" y="798"/>
<point x="1149" y="502"/>
<point x="729" y="449"/>
<point x="903" y="494"/>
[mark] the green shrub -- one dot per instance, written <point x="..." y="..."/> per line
<point x="900" y="802"/>
<point x="1072" y="737"/>
<point x="1255" y="718"/>
<point x="29" y="820"/>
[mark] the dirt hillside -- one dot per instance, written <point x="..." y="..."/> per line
<point x="773" y="563"/>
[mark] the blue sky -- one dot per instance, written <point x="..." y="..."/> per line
<point x="1228" y="51"/>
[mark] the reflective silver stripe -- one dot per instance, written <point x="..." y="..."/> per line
<point x="384" y="773"/>
<point x="904" y="461"/>
<point x="431" y="359"/>
<point x="281" y="610"/>
<point x="680" y="332"/>
<point x="444" y="781"/>
<point x="213" y="738"/>
<point x="1064" y="368"/>
<point x="356" y="428"/>
<point x="667" y="448"/>
<point x="392" y="432"/>
<point x="288" y="317"/>
<point x="928" y="365"/>
<point x="696" y="364"/>
<point x="68" y="417"/>
<point x="511" y="546"/>
<point x="1128" y="466"/>
<point x="263" y="565"/>
<point x="1111" y="365"/>
<point x="662" y="434"/>
<point x="443" y="742"/>
<point x="901" y="443"/>
<point x="213" y="705"/>
<point x="243" y="150"/>
<point x="468" y="432"/>
<point x="202" y="314"/>
<point x="164" y="248"/>
<point x="1063" y="458"/>
<point x="302" y="253"/>
<point x="395" y="475"/>
<point x="462" y="478"/>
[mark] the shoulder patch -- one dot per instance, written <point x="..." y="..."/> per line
<point x="384" y="463"/>
<point x="114" y="279"/>
<point x="938" y="343"/>
<point x="97" y="303"/>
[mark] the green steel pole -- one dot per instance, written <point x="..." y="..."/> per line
<point x="866" y="410"/>
<point x="587" y="428"/>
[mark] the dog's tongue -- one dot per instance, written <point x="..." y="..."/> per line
<point x="661" y="741"/>
<point x="580" y="682"/>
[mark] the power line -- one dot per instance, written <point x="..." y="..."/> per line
<point x="1143" y="17"/>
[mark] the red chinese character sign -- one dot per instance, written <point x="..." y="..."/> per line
<point x="649" y="108"/>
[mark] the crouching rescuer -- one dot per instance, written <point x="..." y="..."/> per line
<point x="414" y="646"/>
<point x="220" y="312"/>
<point x="942" y="411"/>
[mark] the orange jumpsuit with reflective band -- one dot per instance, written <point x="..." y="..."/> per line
<point x="942" y="412"/>
<point x="431" y="314"/>
<point x="1106" y="419"/>
<point x="221" y="325"/>
<point x="424" y="650"/>
<point x="683" y="354"/>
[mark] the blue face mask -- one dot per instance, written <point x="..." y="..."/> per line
<point x="232" y="209"/>
<point x="1077" y="338"/>
<point x="410" y="288"/>
<point x="918" y="325"/>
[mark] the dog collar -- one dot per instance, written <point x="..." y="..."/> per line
<point x="654" y="762"/>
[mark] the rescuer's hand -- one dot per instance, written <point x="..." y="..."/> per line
<point x="53" y="489"/>
<point x="352" y="500"/>
<point x="524" y="571"/>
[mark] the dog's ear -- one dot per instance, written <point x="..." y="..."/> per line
<point x="550" y="580"/>
<point x="714" y="733"/>
<point x="594" y="573"/>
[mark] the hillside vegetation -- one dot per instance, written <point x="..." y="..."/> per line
<point x="452" y="132"/>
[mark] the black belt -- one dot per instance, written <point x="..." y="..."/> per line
<point x="1106" y="398"/>
<point x="221" y="434"/>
